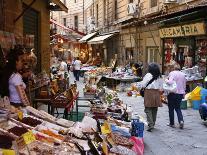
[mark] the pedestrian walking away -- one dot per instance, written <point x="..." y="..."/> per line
<point x="77" y="67"/>
<point x="175" y="98"/>
<point x="152" y="82"/>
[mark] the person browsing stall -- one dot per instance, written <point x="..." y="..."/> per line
<point x="12" y="84"/>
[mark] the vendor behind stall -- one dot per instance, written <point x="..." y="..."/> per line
<point x="137" y="69"/>
<point x="11" y="82"/>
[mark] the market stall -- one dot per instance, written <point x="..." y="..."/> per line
<point x="109" y="127"/>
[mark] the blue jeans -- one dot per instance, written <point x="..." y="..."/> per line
<point x="174" y="101"/>
<point x="76" y="74"/>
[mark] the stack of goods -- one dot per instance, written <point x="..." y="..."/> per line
<point x="133" y="91"/>
<point x="196" y="97"/>
<point x="89" y="90"/>
<point x="39" y="80"/>
<point x="98" y="71"/>
<point x="192" y="73"/>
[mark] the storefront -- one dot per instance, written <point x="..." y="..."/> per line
<point x="185" y="44"/>
<point x="105" y="46"/>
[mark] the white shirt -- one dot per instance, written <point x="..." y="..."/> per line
<point x="15" y="80"/>
<point x="156" y="84"/>
<point x="63" y="66"/>
<point x="77" y="64"/>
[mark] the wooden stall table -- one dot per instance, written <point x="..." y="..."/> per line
<point x="114" y="81"/>
<point x="82" y="99"/>
<point x="35" y="95"/>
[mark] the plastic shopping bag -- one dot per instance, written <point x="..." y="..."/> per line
<point x="170" y="88"/>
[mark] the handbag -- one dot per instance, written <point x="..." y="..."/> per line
<point x="141" y="92"/>
<point x="170" y="88"/>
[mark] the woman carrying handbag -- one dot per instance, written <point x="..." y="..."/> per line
<point x="175" y="97"/>
<point x="151" y="86"/>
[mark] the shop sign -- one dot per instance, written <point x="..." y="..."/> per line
<point x="183" y="30"/>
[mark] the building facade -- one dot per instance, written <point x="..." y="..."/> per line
<point x="136" y="27"/>
<point x="28" y="17"/>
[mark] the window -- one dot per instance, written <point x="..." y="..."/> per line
<point x="153" y="3"/>
<point x="97" y="15"/>
<point x="75" y="1"/>
<point x="64" y="21"/>
<point x="152" y="54"/>
<point x="129" y="53"/>
<point x="115" y="10"/>
<point x="76" y="22"/>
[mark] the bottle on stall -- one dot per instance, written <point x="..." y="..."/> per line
<point x="129" y="112"/>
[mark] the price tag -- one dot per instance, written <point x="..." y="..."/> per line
<point x="20" y="115"/>
<point x="28" y="137"/>
<point x="105" y="148"/>
<point x="106" y="128"/>
<point x="8" y="152"/>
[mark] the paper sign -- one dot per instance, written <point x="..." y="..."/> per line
<point x="105" y="129"/>
<point x="28" y="137"/>
<point x="8" y="152"/>
<point x="105" y="148"/>
<point x="20" y="115"/>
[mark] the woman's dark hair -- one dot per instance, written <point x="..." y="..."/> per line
<point x="154" y="69"/>
<point x="9" y="69"/>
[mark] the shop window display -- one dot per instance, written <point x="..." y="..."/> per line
<point x="201" y="54"/>
<point x="180" y="53"/>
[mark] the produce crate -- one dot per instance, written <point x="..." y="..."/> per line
<point x="183" y="104"/>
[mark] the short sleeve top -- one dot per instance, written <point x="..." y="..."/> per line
<point x="15" y="80"/>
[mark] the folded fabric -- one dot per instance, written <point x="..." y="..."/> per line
<point x="122" y="130"/>
<point x="122" y="150"/>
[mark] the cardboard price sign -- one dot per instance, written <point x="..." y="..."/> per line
<point x="20" y="115"/>
<point x="8" y="152"/>
<point x="25" y="139"/>
<point x="28" y="137"/>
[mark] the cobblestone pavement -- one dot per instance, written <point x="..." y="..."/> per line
<point x="192" y="140"/>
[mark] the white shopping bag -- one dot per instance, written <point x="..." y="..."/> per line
<point x="170" y="88"/>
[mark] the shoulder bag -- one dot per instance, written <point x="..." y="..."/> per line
<point x="143" y="89"/>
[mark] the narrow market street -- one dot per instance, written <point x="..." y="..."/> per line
<point x="165" y="140"/>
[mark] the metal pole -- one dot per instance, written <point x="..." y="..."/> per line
<point x="83" y="12"/>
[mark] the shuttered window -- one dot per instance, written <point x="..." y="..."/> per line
<point x="31" y="27"/>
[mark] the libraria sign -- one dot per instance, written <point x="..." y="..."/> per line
<point x="183" y="30"/>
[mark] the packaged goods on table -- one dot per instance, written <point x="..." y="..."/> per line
<point x="50" y="132"/>
<point x="41" y="114"/>
<point x="65" y="123"/>
<point x="6" y="141"/>
<point x="30" y="121"/>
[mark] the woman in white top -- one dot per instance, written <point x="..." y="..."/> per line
<point x="77" y="67"/>
<point x="11" y="81"/>
<point x="153" y="84"/>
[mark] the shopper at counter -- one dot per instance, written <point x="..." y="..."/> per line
<point x="12" y="84"/>
<point x="152" y="82"/>
<point x="174" y="99"/>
